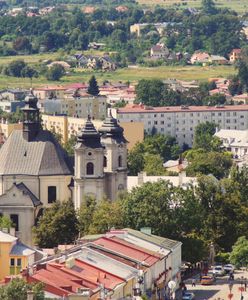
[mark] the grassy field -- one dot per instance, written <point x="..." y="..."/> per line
<point x="237" y="5"/>
<point x="127" y="74"/>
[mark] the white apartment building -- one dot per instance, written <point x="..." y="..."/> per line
<point x="181" y="121"/>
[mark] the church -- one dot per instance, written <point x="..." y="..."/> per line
<point x="36" y="171"/>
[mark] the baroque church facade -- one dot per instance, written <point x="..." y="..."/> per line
<point x="35" y="171"/>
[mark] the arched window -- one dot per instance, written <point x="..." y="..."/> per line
<point x="90" y="168"/>
<point x="104" y="161"/>
<point x="119" y="161"/>
<point x="120" y="187"/>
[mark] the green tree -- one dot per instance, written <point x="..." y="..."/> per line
<point x="154" y="165"/>
<point x="5" y="222"/>
<point x="22" y="44"/>
<point x="70" y="144"/>
<point x="215" y="163"/>
<point x="85" y="214"/>
<point x="18" y="288"/>
<point x="239" y="254"/>
<point x="93" y="87"/>
<point x="107" y="215"/>
<point x="242" y="66"/>
<point x="204" y="136"/>
<point x="208" y="7"/>
<point x="55" y="72"/>
<point x="58" y="225"/>
<point x="15" y="68"/>
<point x="151" y="153"/>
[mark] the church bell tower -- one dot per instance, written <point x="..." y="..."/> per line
<point x="31" y="119"/>
<point x="89" y="172"/>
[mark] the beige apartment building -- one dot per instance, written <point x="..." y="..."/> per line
<point x="7" y="128"/>
<point x="181" y="121"/>
<point x="68" y="127"/>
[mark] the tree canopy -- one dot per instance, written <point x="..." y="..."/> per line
<point x="93" y="87"/>
<point x="58" y="225"/>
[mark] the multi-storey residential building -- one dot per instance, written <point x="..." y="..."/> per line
<point x="181" y="121"/>
<point x="69" y="126"/>
<point x="74" y="106"/>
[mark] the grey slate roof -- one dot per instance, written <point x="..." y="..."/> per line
<point x="157" y="240"/>
<point x="42" y="156"/>
<point x="22" y="187"/>
<point x="21" y="249"/>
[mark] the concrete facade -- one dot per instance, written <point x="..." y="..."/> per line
<point x="181" y="121"/>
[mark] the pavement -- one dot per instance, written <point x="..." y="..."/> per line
<point x="220" y="289"/>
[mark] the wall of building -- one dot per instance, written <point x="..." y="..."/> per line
<point x="68" y="126"/>
<point x="181" y="124"/>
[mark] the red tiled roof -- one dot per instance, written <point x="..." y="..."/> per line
<point x="170" y="109"/>
<point x="62" y="281"/>
<point x="128" y="250"/>
<point x="237" y="51"/>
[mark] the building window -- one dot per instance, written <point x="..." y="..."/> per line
<point x="15" y="220"/>
<point x="104" y="161"/>
<point x="19" y="262"/>
<point x="119" y="161"/>
<point x="120" y="187"/>
<point x="12" y="262"/>
<point x="52" y="195"/>
<point x="90" y="168"/>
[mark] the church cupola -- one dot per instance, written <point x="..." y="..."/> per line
<point x="110" y="128"/>
<point x="88" y="136"/>
<point x="31" y="119"/>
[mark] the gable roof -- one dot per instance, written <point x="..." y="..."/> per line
<point x="155" y="239"/>
<point x="22" y="187"/>
<point x="42" y="156"/>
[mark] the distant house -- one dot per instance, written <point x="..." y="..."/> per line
<point x="121" y="8"/>
<point x="89" y="9"/>
<point x="199" y="57"/>
<point x="107" y="64"/>
<point x="61" y="63"/>
<point x="234" y="55"/>
<point x="159" y="51"/>
<point x="217" y="59"/>
<point x="243" y="98"/>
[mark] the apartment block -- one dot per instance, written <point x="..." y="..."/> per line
<point x="181" y="121"/>
<point x="69" y="126"/>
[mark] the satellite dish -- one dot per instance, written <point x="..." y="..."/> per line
<point x="172" y="285"/>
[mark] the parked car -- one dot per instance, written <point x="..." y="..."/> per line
<point x="188" y="296"/>
<point x="229" y="268"/>
<point x="206" y="280"/>
<point x="218" y="271"/>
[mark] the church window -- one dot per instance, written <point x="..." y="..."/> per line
<point x="89" y="153"/>
<point x="119" y="161"/>
<point x="104" y="161"/>
<point x="90" y="168"/>
<point x="52" y="194"/>
<point x="15" y="220"/>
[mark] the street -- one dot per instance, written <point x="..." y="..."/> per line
<point x="220" y="289"/>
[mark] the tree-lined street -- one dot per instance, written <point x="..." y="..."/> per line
<point x="220" y="290"/>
